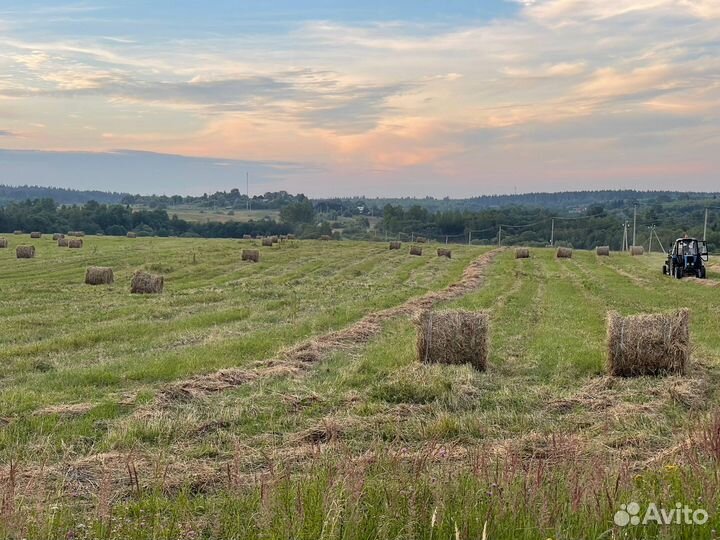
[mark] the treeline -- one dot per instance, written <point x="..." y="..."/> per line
<point x="10" y="194"/>
<point x="229" y="200"/>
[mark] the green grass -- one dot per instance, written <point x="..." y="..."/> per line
<point x="368" y="443"/>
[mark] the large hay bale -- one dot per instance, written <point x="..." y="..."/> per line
<point x="274" y="239"/>
<point x="602" y="251"/>
<point x="99" y="275"/>
<point x="443" y="252"/>
<point x="453" y="337"/>
<point x="415" y="250"/>
<point x="637" y="250"/>
<point x="564" y="253"/>
<point x="35" y="234"/>
<point x="25" y="252"/>
<point x="267" y="242"/>
<point x="420" y="239"/>
<point x="76" y="233"/>
<point x="247" y="237"/>
<point x="655" y="344"/>
<point x="131" y="234"/>
<point x="144" y="283"/>
<point x="75" y="243"/>
<point x="62" y="242"/>
<point x="57" y="236"/>
<point x="395" y="245"/>
<point x="522" y="253"/>
<point x="325" y="237"/>
<point x="17" y="232"/>
<point x="291" y="237"/>
<point x="250" y="255"/>
<point x="3" y="243"/>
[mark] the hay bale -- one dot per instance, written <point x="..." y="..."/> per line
<point x="17" y="232"/>
<point x="564" y="253"/>
<point x="247" y="237"/>
<point x="144" y="283"/>
<point x="57" y="236"/>
<point x="395" y="245"/>
<point x="76" y="233"/>
<point x="325" y="237"/>
<point x="62" y="242"/>
<point x="655" y="344"/>
<point x="35" y="234"/>
<point x="3" y="243"/>
<point x="267" y="242"/>
<point x="443" y="252"/>
<point x="637" y="250"/>
<point x="250" y="255"/>
<point x="421" y="239"/>
<point x="131" y="234"/>
<point x="99" y="275"/>
<point x="75" y="243"/>
<point x="522" y="253"/>
<point x="274" y="239"/>
<point x="25" y="252"/>
<point x="291" y="237"/>
<point x="414" y="250"/>
<point x="602" y="251"/>
<point x="453" y="337"/>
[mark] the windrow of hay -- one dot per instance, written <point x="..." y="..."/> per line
<point x="415" y="250"/>
<point x="325" y="237"/>
<point x="250" y="255"/>
<point x="655" y="344"/>
<point x="25" y="252"/>
<point x="144" y="283"/>
<point x="131" y="234"/>
<point x="453" y="336"/>
<point x="420" y="239"/>
<point x="267" y="242"/>
<point x="35" y="234"/>
<point x="62" y="242"/>
<point x="564" y="253"/>
<point x="444" y="252"/>
<point x="99" y="275"/>
<point x="637" y="250"/>
<point x="57" y="236"/>
<point x="395" y="245"/>
<point x="75" y="243"/>
<point x="3" y="243"/>
<point x="602" y="251"/>
<point x="522" y="253"/>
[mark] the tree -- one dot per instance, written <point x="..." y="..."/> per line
<point x="298" y="213"/>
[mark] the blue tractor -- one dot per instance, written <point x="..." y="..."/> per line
<point x="686" y="258"/>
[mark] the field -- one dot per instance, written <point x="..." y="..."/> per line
<point x="284" y="400"/>
<point x="193" y="214"/>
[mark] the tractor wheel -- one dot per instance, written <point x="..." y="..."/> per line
<point x="702" y="274"/>
<point x="678" y="272"/>
<point x="665" y="270"/>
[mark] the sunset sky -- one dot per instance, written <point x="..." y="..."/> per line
<point x="377" y="98"/>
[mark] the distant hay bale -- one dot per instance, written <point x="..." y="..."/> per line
<point x="274" y="239"/>
<point x="99" y="275"/>
<point x="76" y="233"/>
<point x="35" y="234"/>
<point x="131" y="234"/>
<point x="291" y="237"/>
<point x="453" y="337"/>
<point x="602" y="251"/>
<point x="395" y="245"/>
<point x="57" y="236"/>
<point x="283" y="237"/>
<point x="250" y="255"/>
<point x="62" y="242"/>
<point x="655" y="344"/>
<point x="247" y="237"/>
<point x="420" y="239"/>
<point x="267" y="242"/>
<point x="637" y="250"/>
<point x="442" y="252"/>
<point x="325" y="237"/>
<point x="25" y="252"/>
<point x="75" y="243"/>
<point x="414" y="250"/>
<point x="144" y="283"/>
<point x="564" y="253"/>
<point x="17" y="232"/>
<point x="522" y="253"/>
<point x="3" y="243"/>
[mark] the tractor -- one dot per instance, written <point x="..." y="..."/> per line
<point x="686" y="258"/>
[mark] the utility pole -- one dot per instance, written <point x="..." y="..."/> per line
<point x="247" y="188"/>
<point x="652" y="229"/>
<point x="634" y="223"/>
<point x="705" y="227"/>
<point x="625" y="236"/>
<point x="499" y="235"/>
<point x="469" y="237"/>
<point x="552" y="233"/>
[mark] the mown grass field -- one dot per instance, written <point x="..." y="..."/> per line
<point x="364" y="443"/>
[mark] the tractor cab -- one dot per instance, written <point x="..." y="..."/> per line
<point x="686" y="258"/>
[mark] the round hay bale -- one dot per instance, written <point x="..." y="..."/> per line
<point x="637" y="250"/>
<point x="443" y="252"/>
<point x="325" y="237"/>
<point x="395" y="245"/>
<point x="421" y="239"/>
<point x="99" y="275"/>
<point x="657" y="344"/>
<point x="522" y="253"/>
<point x="75" y="243"/>
<point x="415" y="250"/>
<point x="267" y="242"/>
<point x="3" y="243"/>
<point x="274" y="239"/>
<point x="602" y="251"/>
<point x="250" y="255"/>
<point x="291" y="237"/>
<point x="144" y="283"/>
<point x="247" y="237"/>
<point x="453" y="337"/>
<point x="62" y="242"/>
<point x="131" y="234"/>
<point x="35" y="234"/>
<point x="25" y="252"/>
<point x="57" y="236"/>
<point x="17" y="232"/>
<point x="76" y="233"/>
<point x="564" y="253"/>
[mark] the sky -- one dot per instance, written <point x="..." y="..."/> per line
<point x="377" y="98"/>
